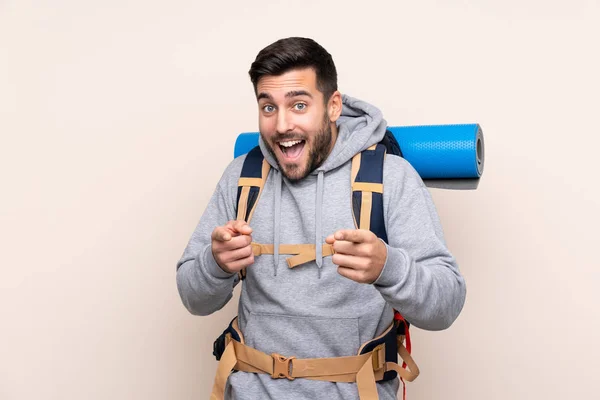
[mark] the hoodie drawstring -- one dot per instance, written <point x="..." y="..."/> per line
<point x="277" y="220"/>
<point x="318" y="222"/>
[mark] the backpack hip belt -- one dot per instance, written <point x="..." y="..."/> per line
<point x="375" y="362"/>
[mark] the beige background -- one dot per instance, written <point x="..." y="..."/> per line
<point x="118" y="117"/>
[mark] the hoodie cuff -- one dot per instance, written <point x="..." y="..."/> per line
<point x="394" y="269"/>
<point x="212" y="267"/>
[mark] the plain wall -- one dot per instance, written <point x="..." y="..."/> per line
<point x="117" y="119"/>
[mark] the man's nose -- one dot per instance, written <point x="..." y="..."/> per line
<point x="284" y="123"/>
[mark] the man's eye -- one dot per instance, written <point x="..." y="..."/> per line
<point x="300" y="106"/>
<point x="268" y="108"/>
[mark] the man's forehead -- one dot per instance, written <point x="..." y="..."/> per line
<point x="294" y="80"/>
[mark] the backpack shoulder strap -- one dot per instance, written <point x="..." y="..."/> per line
<point x="367" y="190"/>
<point x="252" y="180"/>
<point x="250" y="185"/>
<point x="367" y="185"/>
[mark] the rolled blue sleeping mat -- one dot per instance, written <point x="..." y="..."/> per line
<point x="445" y="156"/>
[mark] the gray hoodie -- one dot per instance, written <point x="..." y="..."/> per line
<point x="311" y="310"/>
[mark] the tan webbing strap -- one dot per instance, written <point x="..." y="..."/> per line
<point x="365" y="210"/>
<point x="250" y="182"/>
<point x="303" y="252"/>
<point x="405" y="374"/>
<point x="258" y="360"/>
<point x="334" y="369"/>
<point x="309" y="255"/>
<point x="259" y="248"/>
<point x="246" y="184"/>
<point x="365" y="382"/>
<point x="226" y="364"/>
<point x="412" y="372"/>
<point x="367" y="187"/>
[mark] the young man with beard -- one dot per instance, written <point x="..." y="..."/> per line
<point x="330" y="306"/>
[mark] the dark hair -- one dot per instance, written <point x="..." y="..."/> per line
<point x="293" y="53"/>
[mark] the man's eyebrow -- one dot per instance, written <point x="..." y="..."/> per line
<point x="263" y="95"/>
<point x="295" y="93"/>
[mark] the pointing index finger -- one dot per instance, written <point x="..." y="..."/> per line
<point x="242" y="227"/>
<point x="220" y="234"/>
<point x="352" y="235"/>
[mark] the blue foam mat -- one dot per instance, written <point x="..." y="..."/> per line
<point x="435" y="151"/>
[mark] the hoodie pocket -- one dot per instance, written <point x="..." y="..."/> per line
<point x="302" y="337"/>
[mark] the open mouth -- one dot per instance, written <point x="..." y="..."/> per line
<point x="291" y="149"/>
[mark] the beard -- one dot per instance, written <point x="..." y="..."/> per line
<point x="318" y="150"/>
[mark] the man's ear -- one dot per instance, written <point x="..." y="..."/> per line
<point x="334" y="106"/>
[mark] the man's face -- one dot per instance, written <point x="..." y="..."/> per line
<point x="294" y="122"/>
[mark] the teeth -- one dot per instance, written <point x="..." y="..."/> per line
<point x="290" y="143"/>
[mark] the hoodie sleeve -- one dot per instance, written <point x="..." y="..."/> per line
<point x="203" y="286"/>
<point x="420" y="277"/>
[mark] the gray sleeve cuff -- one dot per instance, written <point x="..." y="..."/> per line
<point x="213" y="269"/>
<point x="394" y="269"/>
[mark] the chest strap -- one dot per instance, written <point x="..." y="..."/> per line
<point x="303" y="252"/>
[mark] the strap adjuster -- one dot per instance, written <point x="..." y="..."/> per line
<point x="379" y="357"/>
<point x="282" y="367"/>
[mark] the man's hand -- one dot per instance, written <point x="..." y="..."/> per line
<point x="231" y="246"/>
<point x="359" y="254"/>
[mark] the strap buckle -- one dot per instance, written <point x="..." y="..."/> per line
<point x="282" y="367"/>
<point x="379" y="357"/>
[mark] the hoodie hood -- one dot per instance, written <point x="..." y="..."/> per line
<point x="360" y="126"/>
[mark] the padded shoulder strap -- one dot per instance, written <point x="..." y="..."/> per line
<point x="367" y="190"/>
<point x="252" y="180"/>
<point x="250" y="185"/>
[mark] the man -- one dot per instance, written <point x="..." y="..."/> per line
<point x="330" y="306"/>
